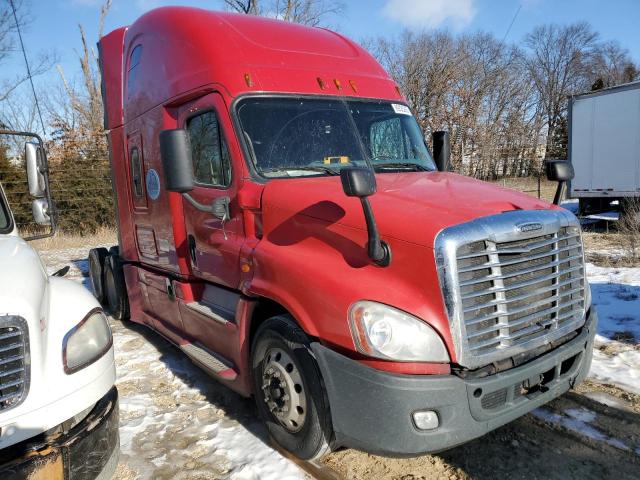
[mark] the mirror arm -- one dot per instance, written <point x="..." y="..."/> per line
<point x="559" y="191"/>
<point x="197" y="205"/>
<point x="377" y="249"/>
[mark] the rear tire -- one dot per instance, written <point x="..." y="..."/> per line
<point x="116" y="299"/>
<point x="97" y="257"/>
<point x="288" y="389"/>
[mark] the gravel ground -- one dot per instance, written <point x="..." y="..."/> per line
<point x="176" y="422"/>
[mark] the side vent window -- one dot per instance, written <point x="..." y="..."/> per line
<point x="136" y="172"/>
<point x="211" y="164"/>
<point x="134" y="62"/>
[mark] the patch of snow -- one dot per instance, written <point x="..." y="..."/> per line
<point x="616" y="356"/>
<point x="581" y="414"/>
<point x="577" y="420"/>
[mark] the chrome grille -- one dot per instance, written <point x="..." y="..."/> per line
<point x="507" y="291"/>
<point x="14" y="361"/>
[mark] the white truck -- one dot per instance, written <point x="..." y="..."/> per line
<point x="604" y="147"/>
<point x="58" y="403"/>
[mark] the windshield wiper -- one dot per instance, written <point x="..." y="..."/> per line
<point x="401" y="165"/>
<point x="309" y="168"/>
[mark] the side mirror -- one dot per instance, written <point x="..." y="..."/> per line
<point x="361" y="182"/>
<point x="559" y="170"/>
<point x="35" y="169"/>
<point x="40" y="211"/>
<point x="175" y="151"/>
<point x="358" y="182"/>
<point x="441" y="150"/>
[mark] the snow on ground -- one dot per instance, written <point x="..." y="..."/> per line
<point x="579" y="420"/>
<point x="616" y="294"/>
<point x="175" y="422"/>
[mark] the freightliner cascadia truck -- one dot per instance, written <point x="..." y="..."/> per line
<point x="282" y="221"/>
<point x="58" y="403"/>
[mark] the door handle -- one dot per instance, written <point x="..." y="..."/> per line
<point x="191" y="241"/>
<point x="220" y="208"/>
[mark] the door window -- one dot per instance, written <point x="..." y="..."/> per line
<point x="134" y="61"/>
<point x="211" y="164"/>
<point x="136" y="172"/>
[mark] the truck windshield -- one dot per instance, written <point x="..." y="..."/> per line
<point x="290" y="137"/>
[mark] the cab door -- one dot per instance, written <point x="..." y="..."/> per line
<point x="214" y="239"/>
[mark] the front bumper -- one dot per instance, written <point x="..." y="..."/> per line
<point x="89" y="451"/>
<point x="372" y="410"/>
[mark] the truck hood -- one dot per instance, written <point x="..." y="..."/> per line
<point x="411" y="206"/>
<point x="22" y="278"/>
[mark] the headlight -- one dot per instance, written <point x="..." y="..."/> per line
<point x="385" y="332"/>
<point x="86" y="342"/>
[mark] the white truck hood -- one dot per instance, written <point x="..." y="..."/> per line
<point x="23" y="279"/>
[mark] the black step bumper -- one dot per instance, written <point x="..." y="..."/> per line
<point x="372" y="410"/>
<point x="89" y="451"/>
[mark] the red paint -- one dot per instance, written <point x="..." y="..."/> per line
<point x="300" y="242"/>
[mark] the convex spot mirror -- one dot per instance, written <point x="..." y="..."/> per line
<point x="34" y="160"/>
<point x="40" y="211"/>
<point x="175" y="151"/>
<point x="559" y="170"/>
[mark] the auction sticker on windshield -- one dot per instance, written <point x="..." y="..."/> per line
<point x="401" y="109"/>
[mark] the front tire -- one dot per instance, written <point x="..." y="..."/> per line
<point x="289" y="391"/>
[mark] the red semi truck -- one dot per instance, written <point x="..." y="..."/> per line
<point x="282" y="221"/>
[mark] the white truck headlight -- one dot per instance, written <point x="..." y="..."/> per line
<point x="86" y="342"/>
<point x="385" y="332"/>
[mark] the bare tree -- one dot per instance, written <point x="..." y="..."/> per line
<point x="83" y="116"/>
<point x="558" y="62"/>
<point x="307" y="12"/>
<point x="612" y="65"/>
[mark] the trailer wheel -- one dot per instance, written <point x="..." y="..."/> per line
<point x="289" y="390"/>
<point x="97" y="257"/>
<point x="116" y="299"/>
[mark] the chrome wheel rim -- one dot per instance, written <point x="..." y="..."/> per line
<point x="283" y="390"/>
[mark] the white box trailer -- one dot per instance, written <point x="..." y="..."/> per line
<point x="604" y="146"/>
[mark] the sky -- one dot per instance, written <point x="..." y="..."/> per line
<point x="54" y="26"/>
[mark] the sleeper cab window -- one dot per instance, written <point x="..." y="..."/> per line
<point x="136" y="172"/>
<point x="132" y="71"/>
<point x="211" y="164"/>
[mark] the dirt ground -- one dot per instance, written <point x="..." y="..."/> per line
<point x="529" y="448"/>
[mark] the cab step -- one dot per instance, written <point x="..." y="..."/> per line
<point x="210" y="362"/>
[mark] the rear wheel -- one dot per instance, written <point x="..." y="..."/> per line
<point x="116" y="299"/>
<point x="289" y="390"/>
<point x="97" y="257"/>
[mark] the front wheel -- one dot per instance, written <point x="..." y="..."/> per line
<point x="289" y="391"/>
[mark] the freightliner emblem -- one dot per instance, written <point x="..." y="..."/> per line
<point x="529" y="227"/>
